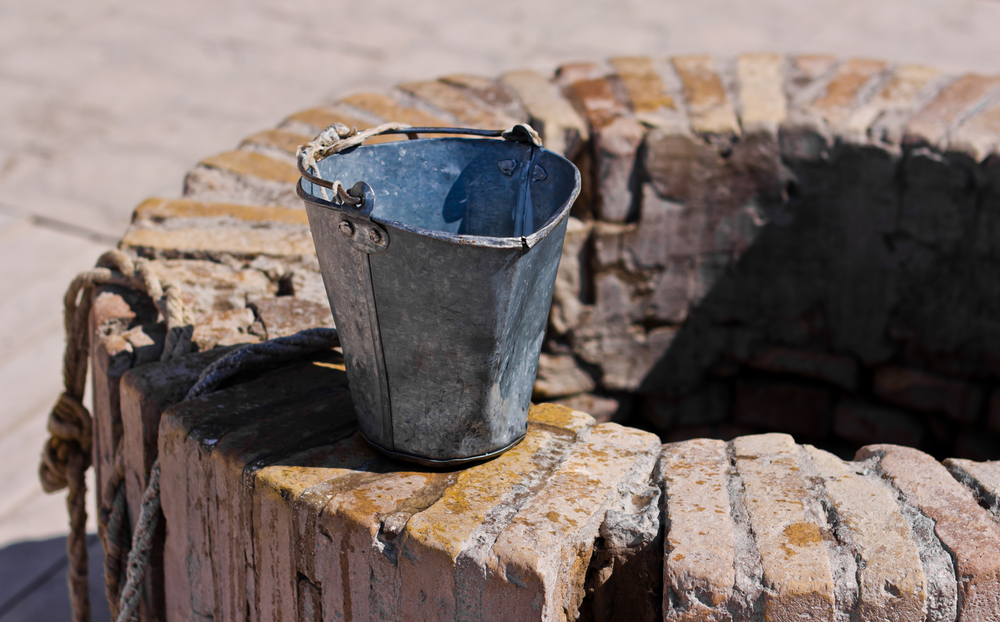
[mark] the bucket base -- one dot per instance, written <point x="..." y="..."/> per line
<point x="431" y="462"/>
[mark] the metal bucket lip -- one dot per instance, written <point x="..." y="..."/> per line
<point x="446" y="462"/>
<point x="527" y="241"/>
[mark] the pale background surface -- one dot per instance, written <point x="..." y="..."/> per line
<point x="104" y="103"/>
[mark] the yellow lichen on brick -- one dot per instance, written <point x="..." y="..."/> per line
<point x="389" y="109"/>
<point x="556" y="416"/>
<point x="283" y="140"/>
<point x="157" y="209"/>
<point x="253" y="164"/>
<point x="276" y="242"/>
<point x="708" y="103"/>
<point x="645" y="88"/>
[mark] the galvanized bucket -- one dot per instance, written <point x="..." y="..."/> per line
<point x="440" y="282"/>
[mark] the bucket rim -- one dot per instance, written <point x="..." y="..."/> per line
<point x="526" y="241"/>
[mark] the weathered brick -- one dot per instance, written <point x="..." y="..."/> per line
<point x="567" y="304"/>
<point x="561" y="522"/>
<point x="319" y="118"/>
<point x="674" y="292"/>
<point x="938" y="204"/>
<point x="982" y="478"/>
<point x="624" y="353"/>
<point x="979" y="135"/>
<point x="761" y="92"/>
<point x="883" y="116"/>
<point x="159" y="210"/>
<point x="446" y="549"/>
<point x="796" y="409"/>
<point x="601" y="408"/>
<point x="709" y="405"/>
<point x="596" y="99"/>
<point x="708" y="104"/>
<point x="967" y="530"/>
<point x="844" y="89"/>
<point x="928" y="393"/>
<point x="388" y="109"/>
<point x="862" y="422"/>
<point x="457" y="102"/>
<point x="491" y="92"/>
<point x="796" y="567"/>
<point x="208" y="287"/>
<point x="563" y="130"/>
<point x="890" y="576"/>
<point x="282" y="140"/>
<point x="841" y="371"/>
<point x="616" y="144"/>
<point x="806" y="76"/>
<point x="250" y="164"/>
<point x="932" y="123"/>
<point x="607" y="243"/>
<point x="197" y="242"/>
<point x="288" y="315"/>
<point x="559" y="376"/>
<point x="643" y="84"/>
<point x="699" y="555"/>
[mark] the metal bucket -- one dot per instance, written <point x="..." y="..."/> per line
<point x="440" y="284"/>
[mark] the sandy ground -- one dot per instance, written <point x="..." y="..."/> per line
<point x="105" y="103"/>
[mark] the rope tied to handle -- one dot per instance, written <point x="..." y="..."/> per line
<point x="334" y="139"/>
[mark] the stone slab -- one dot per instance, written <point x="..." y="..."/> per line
<point x="891" y="579"/>
<point x="699" y="556"/>
<point x="794" y="558"/>
<point x="969" y="532"/>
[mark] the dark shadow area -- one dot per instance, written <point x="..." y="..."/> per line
<point x="865" y="310"/>
<point x="33" y="581"/>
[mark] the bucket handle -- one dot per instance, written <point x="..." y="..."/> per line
<point x="338" y="137"/>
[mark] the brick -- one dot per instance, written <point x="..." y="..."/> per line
<point x="625" y="354"/>
<point x="388" y="109"/>
<point x="616" y="144"/>
<point x="891" y="578"/>
<point x="967" y="530"/>
<point x="982" y="478"/>
<point x="760" y="79"/>
<point x="250" y="164"/>
<point x="288" y="315"/>
<point x="559" y="376"/>
<point x="932" y="123"/>
<point x="706" y="406"/>
<point x="699" y="556"/>
<point x="189" y="432"/>
<point x="567" y="304"/>
<point x="681" y="168"/>
<point x="320" y="412"/>
<point x="282" y="140"/>
<point x="927" y="393"/>
<point x="796" y="567"/>
<point x="158" y="210"/>
<point x="862" y="422"/>
<point x="492" y="93"/>
<point x="646" y="90"/>
<point x="561" y="522"/>
<point x="319" y="118"/>
<point x="979" y="135"/>
<point x="796" y="409"/>
<point x="208" y="287"/>
<point x="550" y="113"/>
<point x="883" y="116"/>
<point x="239" y="242"/>
<point x="708" y="104"/>
<point x="287" y="498"/>
<point x="845" y="88"/>
<point x="601" y="408"/>
<point x="445" y="549"/>
<point x="607" y="243"/>
<point x="457" y="102"/>
<point x="595" y="98"/>
<point x="675" y="290"/>
<point x="938" y="203"/>
<point x="841" y="371"/>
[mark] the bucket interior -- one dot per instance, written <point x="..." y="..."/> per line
<point x="461" y="186"/>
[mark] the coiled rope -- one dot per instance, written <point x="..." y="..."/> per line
<point x="67" y="453"/>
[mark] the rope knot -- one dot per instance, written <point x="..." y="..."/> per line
<point x="71" y="429"/>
